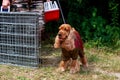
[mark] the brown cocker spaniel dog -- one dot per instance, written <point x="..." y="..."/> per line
<point x="69" y="40"/>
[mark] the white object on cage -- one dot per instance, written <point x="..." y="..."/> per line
<point x="49" y="6"/>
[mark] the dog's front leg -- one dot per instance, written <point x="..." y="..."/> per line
<point x="57" y="42"/>
<point x="63" y="65"/>
<point x="75" y="66"/>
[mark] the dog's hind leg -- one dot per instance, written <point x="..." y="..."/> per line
<point x="83" y="59"/>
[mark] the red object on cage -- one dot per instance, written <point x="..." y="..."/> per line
<point x="51" y="11"/>
<point x="51" y="15"/>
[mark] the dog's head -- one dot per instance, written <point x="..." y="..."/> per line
<point x="64" y="31"/>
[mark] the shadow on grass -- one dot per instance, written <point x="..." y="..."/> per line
<point x="49" y="55"/>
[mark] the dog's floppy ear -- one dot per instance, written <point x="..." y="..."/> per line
<point x="66" y="27"/>
<point x="61" y="27"/>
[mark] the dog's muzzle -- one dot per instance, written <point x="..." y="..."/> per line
<point x="59" y="35"/>
<point x="61" y="38"/>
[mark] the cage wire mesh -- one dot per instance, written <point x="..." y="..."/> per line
<point x="19" y="38"/>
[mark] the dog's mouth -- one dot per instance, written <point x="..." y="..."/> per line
<point x="61" y="38"/>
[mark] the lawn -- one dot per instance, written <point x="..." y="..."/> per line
<point x="104" y="64"/>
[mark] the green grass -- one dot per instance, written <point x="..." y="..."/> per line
<point x="104" y="59"/>
<point x="22" y="78"/>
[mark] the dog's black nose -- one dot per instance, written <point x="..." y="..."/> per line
<point x="59" y="35"/>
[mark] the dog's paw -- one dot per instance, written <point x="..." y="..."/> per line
<point x="61" y="69"/>
<point x="56" y="46"/>
<point x="85" y="67"/>
<point x="73" y="70"/>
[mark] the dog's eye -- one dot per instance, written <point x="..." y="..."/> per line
<point x="67" y="29"/>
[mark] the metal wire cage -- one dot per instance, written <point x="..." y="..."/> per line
<point x="19" y="38"/>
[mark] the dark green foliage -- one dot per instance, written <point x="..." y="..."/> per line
<point x="96" y="20"/>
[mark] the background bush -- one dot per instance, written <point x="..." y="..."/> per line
<point x="96" y="20"/>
